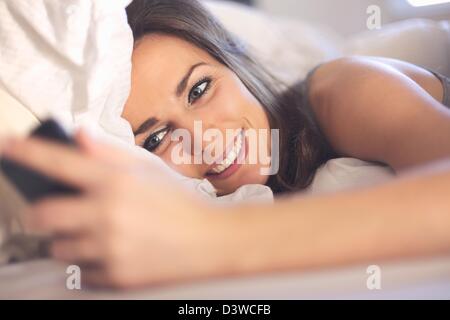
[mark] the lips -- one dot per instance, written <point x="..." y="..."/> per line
<point x="230" y="158"/>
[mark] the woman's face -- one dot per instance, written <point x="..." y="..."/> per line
<point x="173" y="84"/>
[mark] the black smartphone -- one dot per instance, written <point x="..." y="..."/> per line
<point x="34" y="185"/>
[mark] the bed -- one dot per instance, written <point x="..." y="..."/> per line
<point x="290" y="50"/>
<point x="407" y="279"/>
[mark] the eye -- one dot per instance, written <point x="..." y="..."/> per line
<point x="154" y="140"/>
<point x="198" y="90"/>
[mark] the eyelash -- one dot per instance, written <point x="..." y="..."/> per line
<point x="208" y="81"/>
<point x="155" y="134"/>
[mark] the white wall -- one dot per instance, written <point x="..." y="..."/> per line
<point x="349" y="16"/>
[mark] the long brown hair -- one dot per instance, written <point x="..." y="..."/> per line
<point x="302" y="146"/>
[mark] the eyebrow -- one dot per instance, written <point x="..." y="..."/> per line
<point x="183" y="83"/>
<point x="147" y="124"/>
<point x="150" y="122"/>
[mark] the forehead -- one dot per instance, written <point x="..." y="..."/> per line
<point x="159" y="63"/>
<point x="159" y="53"/>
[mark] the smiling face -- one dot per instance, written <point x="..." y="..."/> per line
<point x="174" y="84"/>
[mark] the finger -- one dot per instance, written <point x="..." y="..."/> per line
<point x="75" y="249"/>
<point x="54" y="160"/>
<point x="61" y="215"/>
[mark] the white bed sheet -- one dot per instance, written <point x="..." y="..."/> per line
<point x="408" y="279"/>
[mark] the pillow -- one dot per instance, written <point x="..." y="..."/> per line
<point x="423" y="42"/>
<point x="347" y="173"/>
<point x="57" y="56"/>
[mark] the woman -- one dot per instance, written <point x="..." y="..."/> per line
<point x="187" y="68"/>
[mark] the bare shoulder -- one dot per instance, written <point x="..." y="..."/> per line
<point x="361" y="77"/>
<point x="361" y="99"/>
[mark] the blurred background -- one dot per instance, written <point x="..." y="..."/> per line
<point x="349" y="16"/>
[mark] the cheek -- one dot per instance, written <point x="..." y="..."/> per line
<point x="226" y="104"/>
<point x="232" y="100"/>
<point x="188" y="170"/>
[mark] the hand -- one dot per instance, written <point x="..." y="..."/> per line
<point x="131" y="225"/>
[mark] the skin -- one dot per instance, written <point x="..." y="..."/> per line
<point x="393" y="105"/>
<point x="159" y="64"/>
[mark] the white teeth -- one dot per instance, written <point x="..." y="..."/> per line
<point x="219" y="168"/>
<point x="231" y="157"/>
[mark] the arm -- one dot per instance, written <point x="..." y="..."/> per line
<point x="127" y="227"/>
<point x="407" y="217"/>
<point x="382" y="110"/>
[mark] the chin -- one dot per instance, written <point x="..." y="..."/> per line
<point x="223" y="191"/>
<point x="228" y="188"/>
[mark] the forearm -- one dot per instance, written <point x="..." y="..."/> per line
<point x="409" y="216"/>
